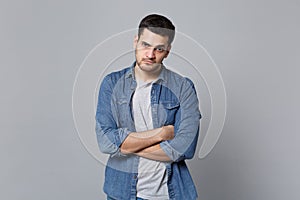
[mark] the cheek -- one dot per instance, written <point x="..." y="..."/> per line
<point x="140" y="53"/>
<point x="160" y="57"/>
<point x="137" y="54"/>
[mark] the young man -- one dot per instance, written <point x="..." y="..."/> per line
<point x="148" y="121"/>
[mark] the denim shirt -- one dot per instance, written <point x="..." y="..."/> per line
<point x="173" y="102"/>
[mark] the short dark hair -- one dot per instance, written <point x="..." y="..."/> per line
<point x="158" y="24"/>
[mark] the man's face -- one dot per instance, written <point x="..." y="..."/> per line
<point x="150" y="50"/>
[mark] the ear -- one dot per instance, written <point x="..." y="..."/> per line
<point x="168" y="51"/>
<point x="136" y="38"/>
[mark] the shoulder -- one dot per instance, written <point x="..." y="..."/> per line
<point x="116" y="75"/>
<point x="177" y="80"/>
<point x="110" y="81"/>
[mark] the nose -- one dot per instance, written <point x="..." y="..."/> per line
<point x="150" y="53"/>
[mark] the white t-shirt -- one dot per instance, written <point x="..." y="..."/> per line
<point x="152" y="175"/>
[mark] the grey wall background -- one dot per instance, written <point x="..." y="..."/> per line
<point x="254" y="43"/>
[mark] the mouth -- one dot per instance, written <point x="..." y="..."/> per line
<point x="147" y="61"/>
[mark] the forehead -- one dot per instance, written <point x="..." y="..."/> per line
<point x="153" y="38"/>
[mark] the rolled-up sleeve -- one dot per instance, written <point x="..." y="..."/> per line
<point x="109" y="136"/>
<point x="186" y="127"/>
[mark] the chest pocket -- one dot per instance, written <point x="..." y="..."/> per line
<point x="170" y="109"/>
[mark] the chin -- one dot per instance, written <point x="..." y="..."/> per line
<point x="146" y="68"/>
<point x="149" y="67"/>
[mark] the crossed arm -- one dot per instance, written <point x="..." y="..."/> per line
<point x="154" y="143"/>
<point x="146" y="143"/>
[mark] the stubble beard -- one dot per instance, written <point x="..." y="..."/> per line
<point x="148" y="68"/>
<point x="154" y="67"/>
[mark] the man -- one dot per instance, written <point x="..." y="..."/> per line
<point x="147" y="119"/>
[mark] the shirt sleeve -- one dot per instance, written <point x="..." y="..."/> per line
<point x="109" y="136"/>
<point x="186" y="127"/>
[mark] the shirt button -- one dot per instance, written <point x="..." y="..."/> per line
<point x="135" y="177"/>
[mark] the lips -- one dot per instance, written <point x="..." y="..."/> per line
<point x="147" y="61"/>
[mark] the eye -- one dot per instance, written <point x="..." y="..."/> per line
<point x="160" y="49"/>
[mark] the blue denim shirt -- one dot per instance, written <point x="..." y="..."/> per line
<point x="173" y="101"/>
